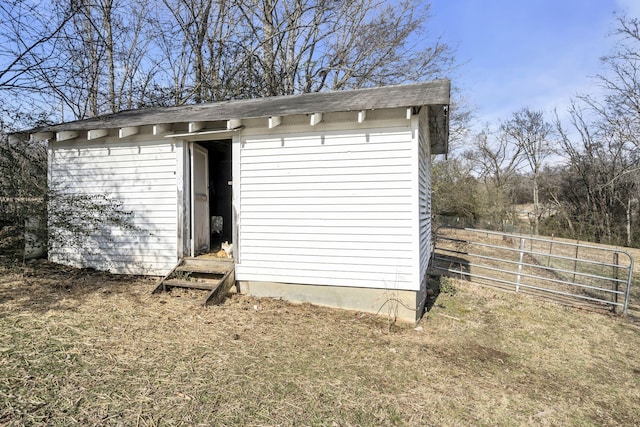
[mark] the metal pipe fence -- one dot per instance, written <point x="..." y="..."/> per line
<point x="573" y="271"/>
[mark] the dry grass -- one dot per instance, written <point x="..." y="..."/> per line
<point x="94" y="349"/>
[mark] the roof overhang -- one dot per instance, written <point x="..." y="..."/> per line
<point x="434" y="95"/>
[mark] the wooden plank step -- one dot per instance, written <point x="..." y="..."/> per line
<point x="219" y="262"/>
<point x="191" y="284"/>
<point x="218" y="270"/>
<point x="218" y="287"/>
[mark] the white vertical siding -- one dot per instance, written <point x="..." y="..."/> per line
<point x="424" y="185"/>
<point x="328" y="207"/>
<point x="141" y="175"/>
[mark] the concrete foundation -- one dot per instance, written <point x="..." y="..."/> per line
<point x="402" y="305"/>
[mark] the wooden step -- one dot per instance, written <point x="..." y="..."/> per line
<point x="211" y="262"/>
<point x="191" y="284"/>
<point x="204" y="269"/>
<point x="223" y="269"/>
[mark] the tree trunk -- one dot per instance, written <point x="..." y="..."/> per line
<point x="93" y="69"/>
<point x="200" y="42"/>
<point x="107" y="16"/>
<point x="269" y="58"/>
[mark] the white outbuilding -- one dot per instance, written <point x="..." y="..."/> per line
<point x="325" y="196"/>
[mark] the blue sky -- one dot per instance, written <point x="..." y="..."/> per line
<point x="534" y="53"/>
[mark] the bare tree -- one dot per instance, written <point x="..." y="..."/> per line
<point x="530" y="133"/>
<point x="611" y="139"/>
<point x="101" y="63"/>
<point x="494" y="159"/>
<point x="621" y="105"/>
<point x="28" y="32"/>
<point x="253" y="48"/>
<point x="621" y="80"/>
<point x="311" y="45"/>
<point x="193" y="19"/>
<point x="600" y="185"/>
<point x="93" y="57"/>
<point x="207" y="51"/>
<point x="496" y="163"/>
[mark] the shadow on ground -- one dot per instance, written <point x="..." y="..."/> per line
<point x="41" y="286"/>
<point x="445" y="266"/>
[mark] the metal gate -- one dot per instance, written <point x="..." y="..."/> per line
<point x="565" y="270"/>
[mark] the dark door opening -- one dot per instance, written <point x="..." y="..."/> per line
<point x="220" y="192"/>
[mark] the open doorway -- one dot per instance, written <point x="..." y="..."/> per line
<point x="211" y="199"/>
<point x="220" y="193"/>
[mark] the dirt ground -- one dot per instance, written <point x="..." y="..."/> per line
<point x="82" y="347"/>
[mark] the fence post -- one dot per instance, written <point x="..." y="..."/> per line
<point x="627" y="293"/>
<point x="616" y="284"/>
<point x="575" y="262"/>
<point x="520" y="264"/>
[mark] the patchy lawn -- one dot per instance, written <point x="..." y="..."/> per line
<point x="95" y="349"/>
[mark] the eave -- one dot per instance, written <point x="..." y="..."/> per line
<point x="229" y="115"/>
